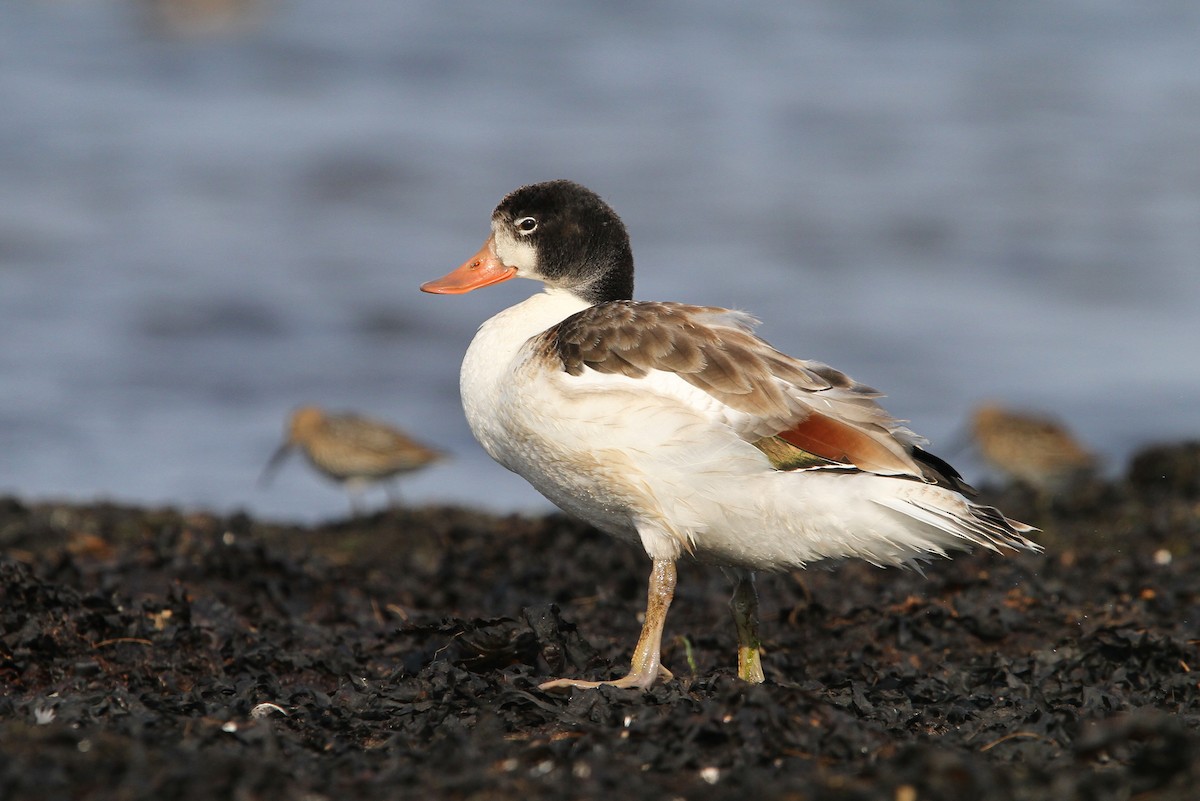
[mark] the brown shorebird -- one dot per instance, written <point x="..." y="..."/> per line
<point x="1033" y="450"/>
<point x="201" y="18"/>
<point x="352" y="450"/>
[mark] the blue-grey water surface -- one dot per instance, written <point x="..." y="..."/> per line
<point x="951" y="201"/>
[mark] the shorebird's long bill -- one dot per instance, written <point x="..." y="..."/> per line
<point x="482" y="269"/>
<point x="273" y="463"/>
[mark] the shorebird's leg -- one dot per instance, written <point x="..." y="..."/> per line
<point x="646" y="667"/>
<point x="744" y="605"/>
<point x="354" y="489"/>
<point x="393" y="495"/>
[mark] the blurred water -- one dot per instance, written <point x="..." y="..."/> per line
<point x="952" y="202"/>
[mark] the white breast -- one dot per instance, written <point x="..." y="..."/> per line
<point x="486" y="380"/>
<point x="611" y="450"/>
<point x="528" y="420"/>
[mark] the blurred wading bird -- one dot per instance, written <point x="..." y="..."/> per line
<point x="353" y="450"/>
<point x="201" y="18"/>
<point x="1034" y="450"/>
<point x="675" y="427"/>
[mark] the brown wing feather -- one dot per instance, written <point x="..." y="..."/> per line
<point x="715" y="350"/>
<point x="632" y="338"/>
<point x="839" y="442"/>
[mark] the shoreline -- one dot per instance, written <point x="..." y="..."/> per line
<point x="154" y="653"/>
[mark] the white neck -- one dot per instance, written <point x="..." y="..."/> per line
<point x="534" y="315"/>
<point x="488" y="362"/>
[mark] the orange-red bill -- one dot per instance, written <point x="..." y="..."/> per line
<point x="482" y="269"/>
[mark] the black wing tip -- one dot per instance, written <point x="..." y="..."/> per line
<point x="942" y="472"/>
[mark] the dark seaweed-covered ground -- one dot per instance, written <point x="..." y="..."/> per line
<point x="152" y="654"/>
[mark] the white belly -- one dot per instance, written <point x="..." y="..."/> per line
<point x="623" y="460"/>
<point x="510" y="418"/>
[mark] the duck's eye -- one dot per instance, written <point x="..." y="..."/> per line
<point x="527" y="225"/>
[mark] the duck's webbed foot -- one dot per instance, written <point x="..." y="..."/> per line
<point x="633" y="679"/>
<point x="646" y="667"/>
